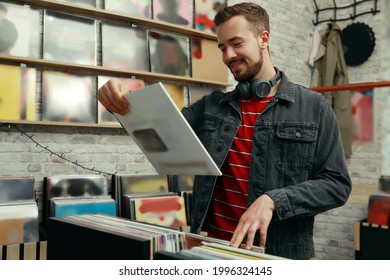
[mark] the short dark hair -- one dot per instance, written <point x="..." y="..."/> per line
<point x="256" y="15"/>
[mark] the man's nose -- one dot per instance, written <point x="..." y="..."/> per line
<point x="229" y="55"/>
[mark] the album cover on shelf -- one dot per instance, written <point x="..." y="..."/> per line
<point x="123" y="47"/>
<point x="139" y="8"/>
<point x="174" y="12"/>
<point x="68" y="97"/>
<point x="106" y="117"/>
<point x="76" y="185"/>
<point x="180" y="183"/>
<point x="187" y="196"/>
<point x="169" y="54"/>
<point x="141" y="183"/>
<point x="166" y="211"/>
<point x="196" y="92"/>
<point x="163" y="134"/>
<point x="176" y="92"/>
<point x="19" y="222"/>
<point x="17" y="188"/>
<point x="62" y="207"/>
<point x="69" y="38"/>
<point x="205" y="11"/>
<point x="17" y="92"/>
<point x="204" y="64"/>
<point x="88" y="3"/>
<point x="72" y="186"/>
<point x="19" y="30"/>
<point x="128" y="209"/>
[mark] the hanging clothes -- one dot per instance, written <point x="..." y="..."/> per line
<point x="315" y="40"/>
<point x="330" y="69"/>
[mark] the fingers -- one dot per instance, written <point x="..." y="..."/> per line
<point x="256" y="217"/>
<point x="250" y="238"/>
<point x="263" y="237"/>
<point x="238" y="235"/>
<point x="245" y="230"/>
<point x="111" y="97"/>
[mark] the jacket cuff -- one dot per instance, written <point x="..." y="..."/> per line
<point x="283" y="208"/>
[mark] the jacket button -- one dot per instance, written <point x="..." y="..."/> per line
<point x="227" y="128"/>
<point x="219" y="148"/>
<point x="298" y="134"/>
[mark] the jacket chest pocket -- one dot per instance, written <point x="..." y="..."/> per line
<point x="295" y="146"/>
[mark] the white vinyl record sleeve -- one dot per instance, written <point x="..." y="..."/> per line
<point x="164" y="135"/>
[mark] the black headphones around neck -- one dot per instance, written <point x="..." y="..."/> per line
<point x="259" y="87"/>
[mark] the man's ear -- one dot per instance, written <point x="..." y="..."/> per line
<point x="263" y="39"/>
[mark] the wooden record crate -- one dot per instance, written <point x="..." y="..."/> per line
<point x="24" y="251"/>
<point x="372" y="242"/>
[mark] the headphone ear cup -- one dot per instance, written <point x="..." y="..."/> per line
<point x="244" y="90"/>
<point x="260" y="88"/>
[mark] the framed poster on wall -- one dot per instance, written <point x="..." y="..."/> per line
<point x="173" y="11"/>
<point x="68" y="98"/>
<point x="139" y="8"/>
<point x="123" y="47"/>
<point x="69" y="38"/>
<point x="19" y="30"/>
<point x="169" y="53"/>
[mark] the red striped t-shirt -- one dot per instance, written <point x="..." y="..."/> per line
<point x="230" y="194"/>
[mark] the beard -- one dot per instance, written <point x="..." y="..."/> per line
<point x="252" y="70"/>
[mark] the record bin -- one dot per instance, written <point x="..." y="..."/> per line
<point x="372" y="242"/>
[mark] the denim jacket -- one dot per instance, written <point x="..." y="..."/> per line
<point x="297" y="160"/>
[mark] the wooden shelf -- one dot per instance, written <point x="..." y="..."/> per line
<point x="357" y="86"/>
<point x="101" y="15"/>
<point x="108" y="15"/>
<point x="100" y="70"/>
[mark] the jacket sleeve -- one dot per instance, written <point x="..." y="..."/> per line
<point x="329" y="185"/>
<point x="194" y="114"/>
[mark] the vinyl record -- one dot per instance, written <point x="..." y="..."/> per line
<point x="359" y="40"/>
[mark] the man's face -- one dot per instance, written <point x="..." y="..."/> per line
<point x="240" y="48"/>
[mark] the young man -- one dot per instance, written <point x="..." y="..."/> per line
<point x="277" y="143"/>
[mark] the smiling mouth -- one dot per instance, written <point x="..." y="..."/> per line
<point x="234" y="65"/>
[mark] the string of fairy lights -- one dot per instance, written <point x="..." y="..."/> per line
<point x="52" y="153"/>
